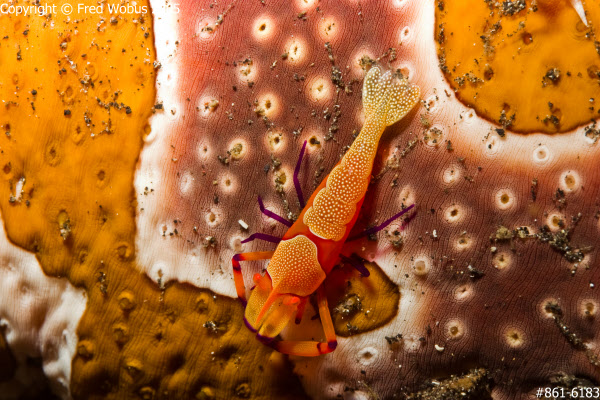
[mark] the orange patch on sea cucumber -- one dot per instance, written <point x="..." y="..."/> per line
<point x="76" y="111"/>
<point x="491" y="52"/>
<point x="360" y="304"/>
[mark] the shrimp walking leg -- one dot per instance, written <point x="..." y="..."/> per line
<point x="379" y="227"/>
<point x="313" y="348"/>
<point x="357" y="263"/>
<point x="237" y="270"/>
<point x="296" y="180"/>
<point x="262" y="236"/>
<point x="272" y="215"/>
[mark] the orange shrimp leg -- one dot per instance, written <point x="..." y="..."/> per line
<point x="300" y="312"/>
<point x="240" y="287"/>
<point x="312" y="348"/>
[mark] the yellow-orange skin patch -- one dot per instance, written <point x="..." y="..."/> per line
<point x="77" y="98"/>
<point x="510" y="65"/>
<point x="360" y="304"/>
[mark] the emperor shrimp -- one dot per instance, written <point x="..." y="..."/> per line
<point x="312" y="246"/>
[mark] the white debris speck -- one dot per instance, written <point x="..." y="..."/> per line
<point x="243" y="224"/>
<point x="439" y="348"/>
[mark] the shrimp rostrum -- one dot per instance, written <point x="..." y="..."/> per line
<point x="312" y="245"/>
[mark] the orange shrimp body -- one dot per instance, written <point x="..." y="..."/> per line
<point x="312" y="246"/>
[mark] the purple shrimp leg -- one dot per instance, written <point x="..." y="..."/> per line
<point x="271" y="214"/>
<point x="262" y="236"/>
<point x="382" y="226"/>
<point x="407" y="220"/>
<point x="357" y="263"/>
<point x="296" y="181"/>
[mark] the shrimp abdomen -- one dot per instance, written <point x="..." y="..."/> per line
<point x="386" y="100"/>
